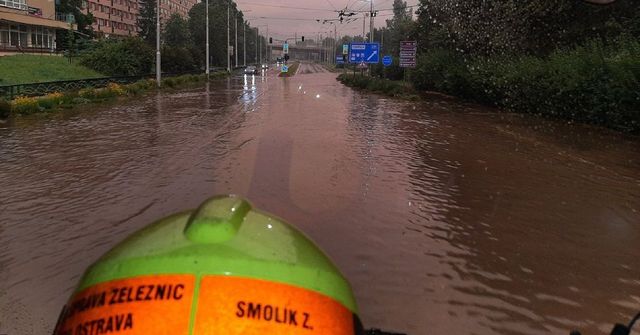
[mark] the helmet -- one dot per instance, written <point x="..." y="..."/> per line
<point x="223" y="268"/>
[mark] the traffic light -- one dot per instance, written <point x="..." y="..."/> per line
<point x="270" y="40"/>
<point x="286" y="57"/>
<point x="302" y="38"/>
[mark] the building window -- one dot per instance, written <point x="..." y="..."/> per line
<point x="19" y="4"/>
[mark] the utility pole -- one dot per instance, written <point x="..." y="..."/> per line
<point x="244" y="43"/>
<point x="364" y="19"/>
<point x="371" y="23"/>
<point x="235" y="50"/>
<point x="158" y="75"/>
<point x="228" y="37"/>
<point x="260" y="58"/>
<point x="257" y="42"/>
<point x="207" y="43"/>
<point x="335" y="44"/>
<point x="266" y="49"/>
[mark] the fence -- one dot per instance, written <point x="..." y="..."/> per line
<point x="36" y="89"/>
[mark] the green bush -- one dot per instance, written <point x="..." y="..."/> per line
<point x="87" y="93"/>
<point x="50" y="101"/>
<point x="121" y="57"/>
<point x="442" y="70"/>
<point x="80" y="101"/>
<point x="47" y="103"/>
<point x="384" y="86"/>
<point x="5" y="109"/>
<point x="595" y="83"/>
<point x="175" y="60"/>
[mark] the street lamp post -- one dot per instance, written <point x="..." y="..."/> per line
<point x="228" y="37"/>
<point x="158" y="75"/>
<point x="371" y="23"/>
<point x="235" y="50"/>
<point x="266" y="47"/>
<point x="244" y="43"/>
<point x="207" y="43"/>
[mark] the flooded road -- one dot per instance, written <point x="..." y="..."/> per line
<point x="447" y="218"/>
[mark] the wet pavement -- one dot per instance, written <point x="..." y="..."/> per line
<point x="448" y="218"/>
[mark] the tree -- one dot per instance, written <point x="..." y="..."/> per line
<point x="147" y="21"/>
<point x="178" y="52"/>
<point x="523" y="27"/>
<point x="82" y="20"/>
<point x="399" y="27"/>
<point x="176" y="32"/>
<point x="72" y="9"/>
<point x="218" y="34"/>
<point x="120" y="57"/>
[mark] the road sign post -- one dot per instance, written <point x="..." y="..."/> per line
<point x="387" y="61"/>
<point x="368" y="53"/>
<point x="408" y="51"/>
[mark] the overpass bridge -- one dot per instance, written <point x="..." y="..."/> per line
<point x="311" y="53"/>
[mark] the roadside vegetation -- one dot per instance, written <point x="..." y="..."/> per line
<point x="577" y="61"/>
<point x="183" y="41"/>
<point x="293" y="67"/>
<point x="392" y="88"/>
<point x="22" y="69"/>
<point x="65" y="100"/>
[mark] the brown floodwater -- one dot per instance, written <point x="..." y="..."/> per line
<point x="447" y="218"/>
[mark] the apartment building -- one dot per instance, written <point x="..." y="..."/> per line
<point x="114" y="17"/>
<point x="30" y="25"/>
<point x="182" y="7"/>
<point x="119" y="17"/>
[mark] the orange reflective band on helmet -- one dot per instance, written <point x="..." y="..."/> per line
<point x="161" y="304"/>
<point x="141" y="305"/>
<point x="232" y="305"/>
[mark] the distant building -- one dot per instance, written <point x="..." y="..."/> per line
<point x="119" y="17"/>
<point x="182" y="7"/>
<point x="30" y="25"/>
<point x="114" y="17"/>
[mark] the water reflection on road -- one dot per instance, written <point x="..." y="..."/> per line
<point x="446" y="218"/>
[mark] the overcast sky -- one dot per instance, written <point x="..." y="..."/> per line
<point x="288" y="17"/>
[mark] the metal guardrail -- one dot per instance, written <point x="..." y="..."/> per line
<point x="36" y="89"/>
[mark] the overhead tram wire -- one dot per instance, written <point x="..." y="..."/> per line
<point x="280" y="18"/>
<point x="331" y="4"/>
<point x="285" y="7"/>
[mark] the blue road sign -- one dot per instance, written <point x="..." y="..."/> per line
<point x="339" y="59"/>
<point x="284" y="69"/>
<point x="364" y="53"/>
<point x="387" y="60"/>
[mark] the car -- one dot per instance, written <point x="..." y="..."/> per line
<point x="265" y="66"/>
<point x="250" y="70"/>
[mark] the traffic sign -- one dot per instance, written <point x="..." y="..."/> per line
<point x="408" y="51"/>
<point x="284" y="69"/>
<point x="339" y="59"/>
<point x="387" y="60"/>
<point x="364" y="53"/>
<point x="345" y="49"/>
<point x="285" y="47"/>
